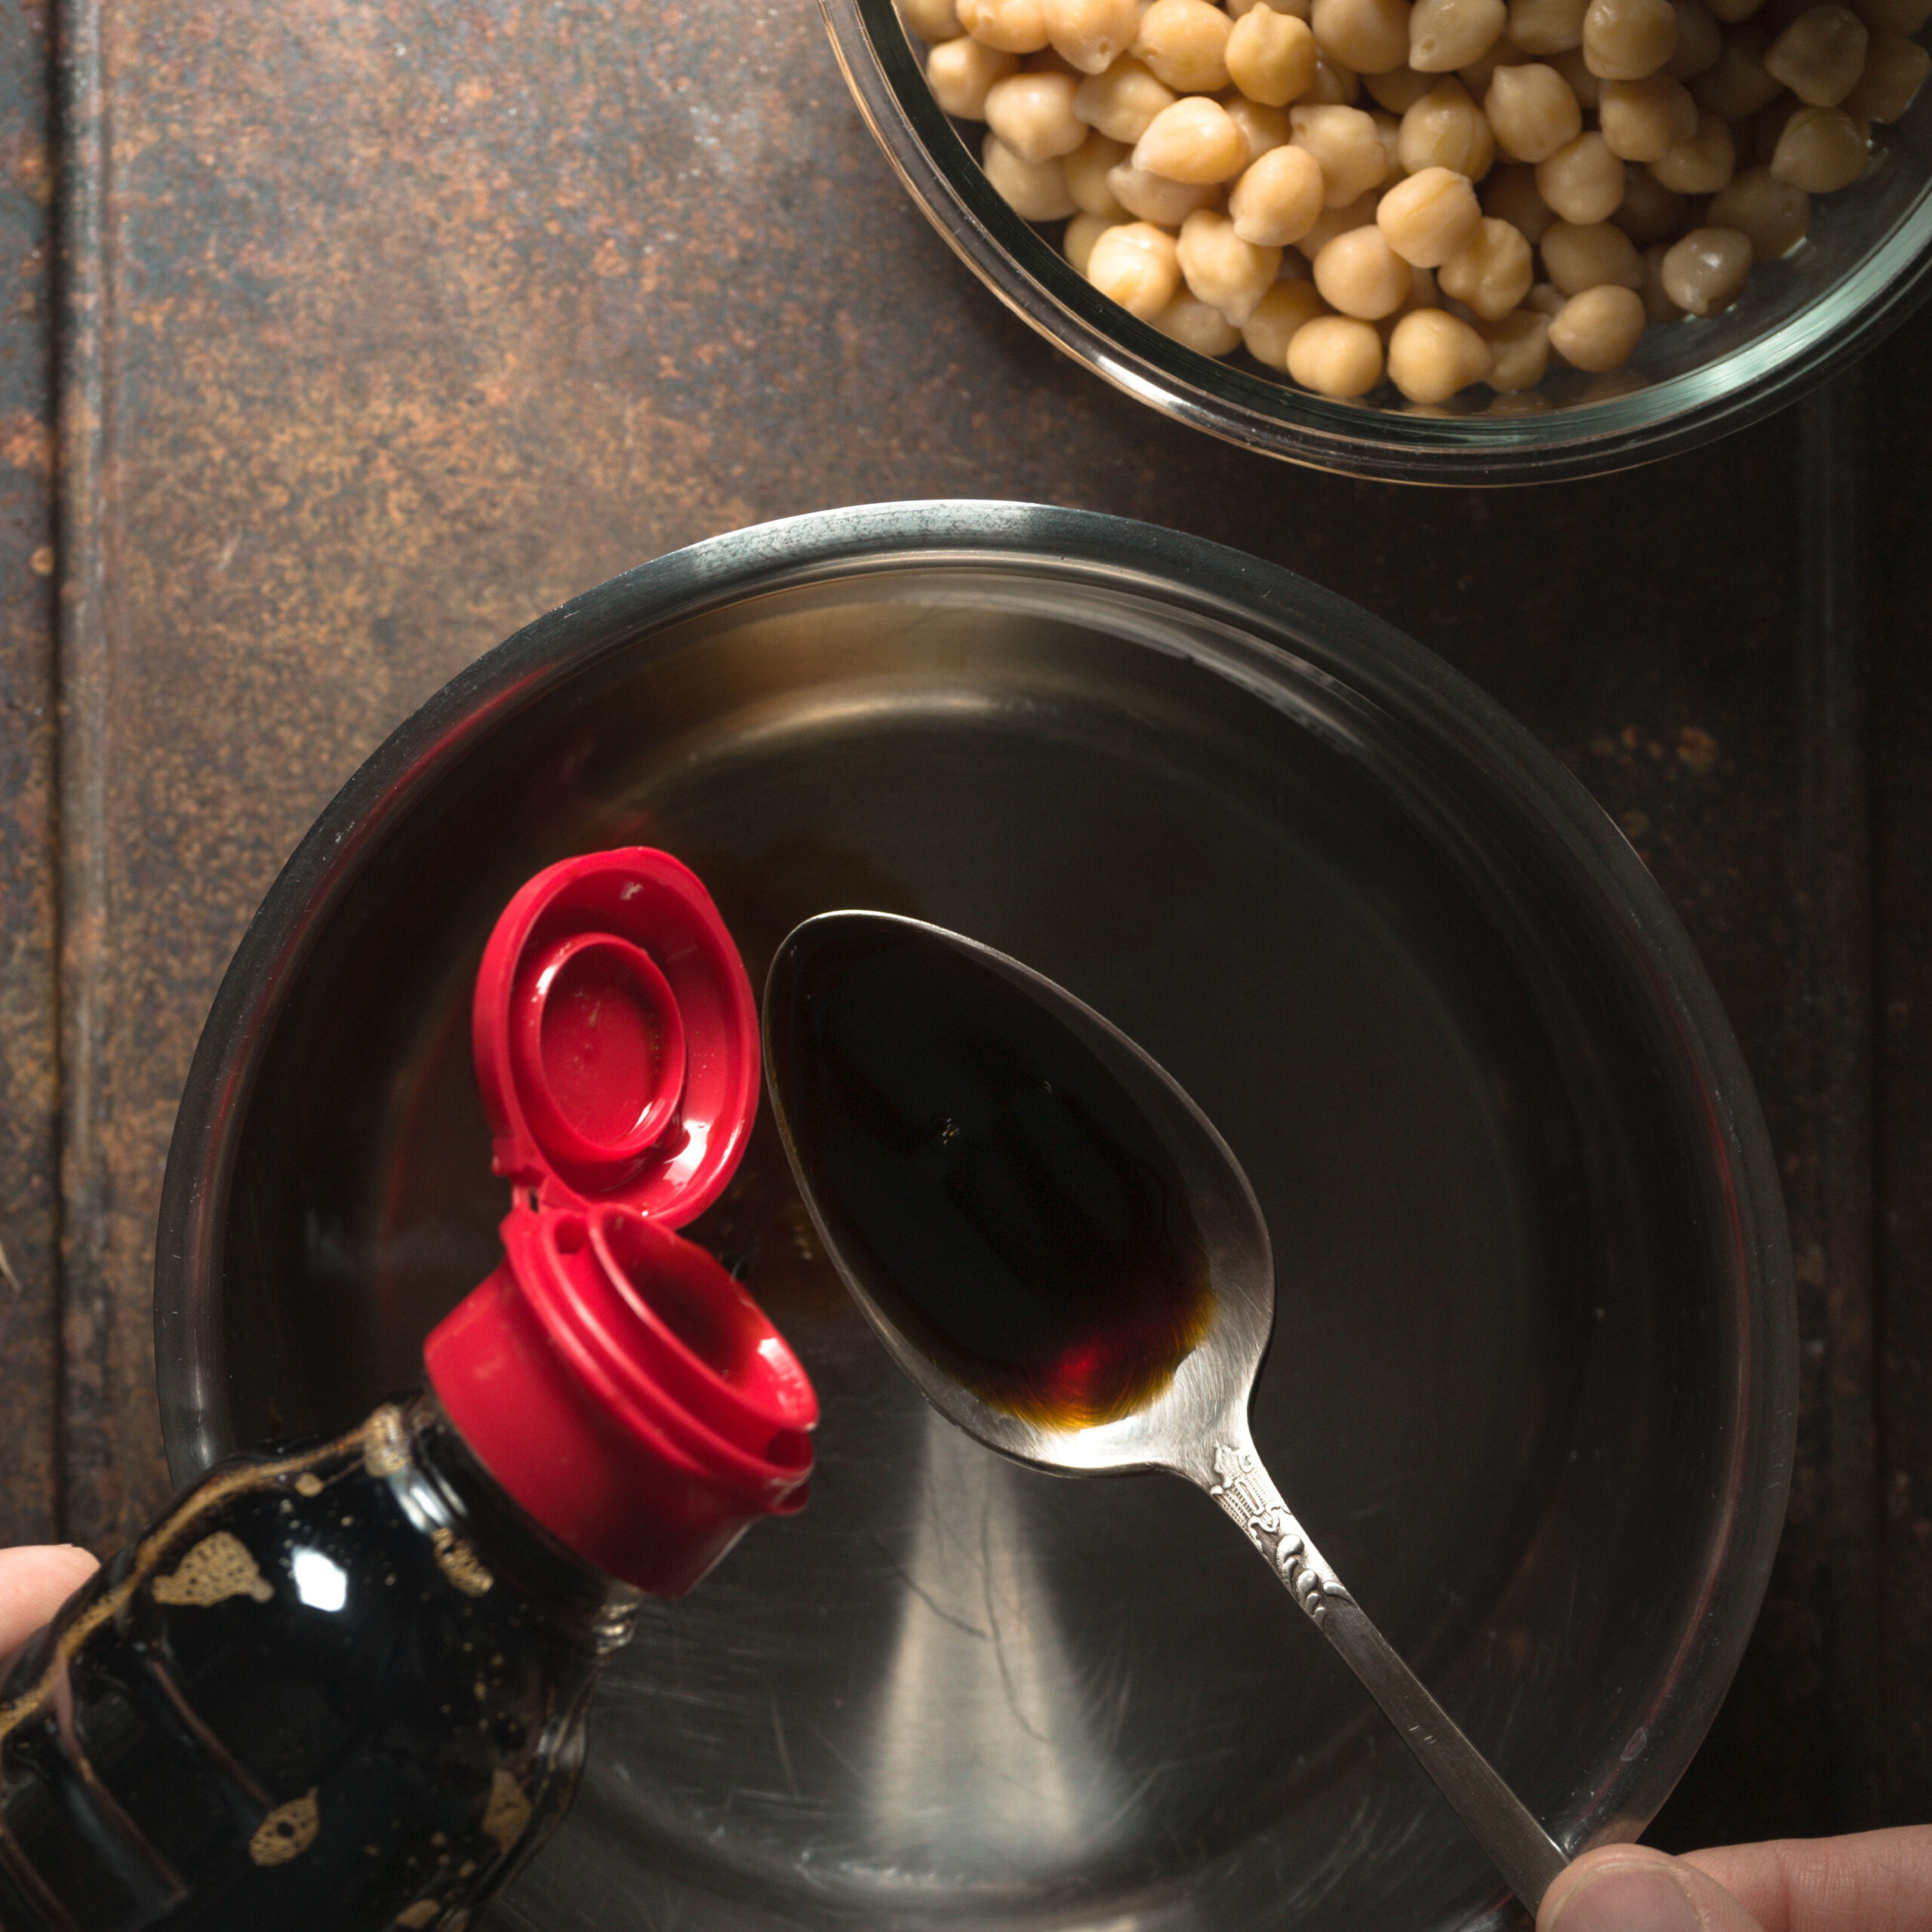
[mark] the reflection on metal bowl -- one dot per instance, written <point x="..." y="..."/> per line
<point x="1531" y="1383"/>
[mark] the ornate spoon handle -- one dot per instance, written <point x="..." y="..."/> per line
<point x="1525" y="1854"/>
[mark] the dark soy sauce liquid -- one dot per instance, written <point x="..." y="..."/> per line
<point x="340" y="1689"/>
<point x="1000" y="1195"/>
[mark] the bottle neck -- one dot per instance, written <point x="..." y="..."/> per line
<point x="458" y="1492"/>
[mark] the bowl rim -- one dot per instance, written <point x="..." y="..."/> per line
<point x="1040" y="286"/>
<point x="1282" y="621"/>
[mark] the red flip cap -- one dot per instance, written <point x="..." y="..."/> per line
<point x="617" y="1381"/>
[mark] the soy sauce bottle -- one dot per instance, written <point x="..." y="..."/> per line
<point x="343" y="1686"/>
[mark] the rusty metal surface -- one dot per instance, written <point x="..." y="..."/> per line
<point x="1901" y="1115"/>
<point x="29" y="1088"/>
<point x="392" y="326"/>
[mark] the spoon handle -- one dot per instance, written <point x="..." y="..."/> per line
<point x="1525" y="1854"/>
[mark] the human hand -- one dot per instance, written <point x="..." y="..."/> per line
<point x="35" y="1581"/>
<point x="1870" y="1881"/>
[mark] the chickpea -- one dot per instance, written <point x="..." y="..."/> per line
<point x="1309" y="229"/>
<point x="1335" y="85"/>
<point x="1223" y="270"/>
<point x="1476" y="77"/>
<point x="1446" y="129"/>
<point x="1738" y="85"/>
<point x="1624" y="40"/>
<point x="961" y="71"/>
<point x="1286" y="308"/>
<point x="1388" y="132"/>
<point x="932" y="21"/>
<point x="1658" y="306"/>
<point x="1820" y="55"/>
<point x="1583" y="180"/>
<point x="1197" y="325"/>
<point x="1518" y="350"/>
<point x="1599" y="329"/>
<point x="1444" y="35"/>
<point x="1358" y="274"/>
<point x="1905" y="18"/>
<point x="1699" y="40"/>
<point x="1702" y="165"/>
<point x="1491" y="271"/>
<point x="1547" y="26"/>
<point x="1035" y="190"/>
<point x="1822" y="149"/>
<point x="1090" y="34"/>
<point x="1271" y="57"/>
<point x="1154" y="198"/>
<point x="1426" y="218"/>
<point x="1013" y="26"/>
<point x="1584" y="84"/>
<point x="1335" y="356"/>
<point x="1649" y="211"/>
<point x="1193" y="140"/>
<point x="1895" y="69"/>
<point x="1577" y="258"/>
<point x="1771" y="214"/>
<point x="1367" y="36"/>
<point x="1137" y="265"/>
<point x="1510" y="195"/>
<point x="1344" y="140"/>
<point x="1263" y="128"/>
<point x="1705" y="272"/>
<point x="1398" y="90"/>
<point x="1033" y="115"/>
<point x="1121" y="102"/>
<point x="1077" y="241"/>
<point x="1643" y="120"/>
<point x="1185" y="44"/>
<point x="1532" y="112"/>
<point x="1423" y="294"/>
<point x="1332" y="222"/>
<point x="1431" y="354"/>
<point x="1086" y="172"/>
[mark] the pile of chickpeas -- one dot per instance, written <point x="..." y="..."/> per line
<point x="1438" y="192"/>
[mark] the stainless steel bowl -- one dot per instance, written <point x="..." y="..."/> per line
<point x="1532" y="1377"/>
<point x="1865" y="265"/>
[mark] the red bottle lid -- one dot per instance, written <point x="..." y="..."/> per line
<point x="613" y="1378"/>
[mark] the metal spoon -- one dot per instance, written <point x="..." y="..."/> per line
<point x="1196" y="1425"/>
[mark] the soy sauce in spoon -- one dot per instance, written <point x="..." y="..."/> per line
<point x="1011" y="1206"/>
<point x="1054" y="1243"/>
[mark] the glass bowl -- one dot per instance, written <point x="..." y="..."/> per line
<point x="1866" y="264"/>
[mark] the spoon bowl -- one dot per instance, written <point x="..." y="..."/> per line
<point x="938" y="1141"/>
<point x="1208" y="1393"/>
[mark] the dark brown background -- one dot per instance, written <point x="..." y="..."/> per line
<point x="381" y="328"/>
